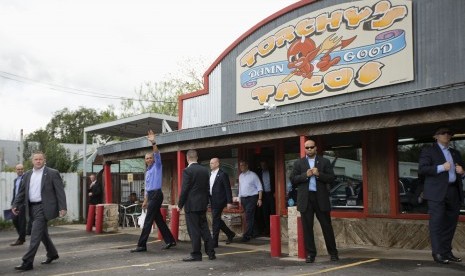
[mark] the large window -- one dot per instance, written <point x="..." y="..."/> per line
<point x="346" y="192"/>
<point x="410" y="184"/>
<point x="410" y="187"/>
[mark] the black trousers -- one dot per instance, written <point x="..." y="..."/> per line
<point x="268" y="207"/>
<point x="218" y="224"/>
<point x="197" y="227"/>
<point x="155" y="199"/>
<point x="249" y="203"/>
<point x="19" y="222"/>
<point x="443" y="220"/>
<point x="325" y="221"/>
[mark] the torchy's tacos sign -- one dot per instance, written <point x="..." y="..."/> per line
<point x="340" y="49"/>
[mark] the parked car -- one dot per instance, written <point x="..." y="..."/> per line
<point x="338" y="195"/>
<point x="411" y="195"/>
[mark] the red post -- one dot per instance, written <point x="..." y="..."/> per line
<point x="99" y="219"/>
<point x="175" y="223"/>
<point x="275" y="236"/>
<point x="90" y="218"/>
<point x="108" y="184"/>
<point x="300" y="239"/>
<point x="163" y="212"/>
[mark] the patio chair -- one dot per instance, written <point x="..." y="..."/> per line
<point x="130" y="214"/>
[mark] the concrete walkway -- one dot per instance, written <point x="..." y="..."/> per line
<point x="83" y="253"/>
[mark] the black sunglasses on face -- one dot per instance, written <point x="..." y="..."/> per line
<point x="311" y="147"/>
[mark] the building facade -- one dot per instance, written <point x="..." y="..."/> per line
<point x="368" y="80"/>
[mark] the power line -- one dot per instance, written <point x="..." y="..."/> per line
<point x="71" y="90"/>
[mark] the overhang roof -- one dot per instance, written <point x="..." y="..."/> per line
<point x="135" y="126"/>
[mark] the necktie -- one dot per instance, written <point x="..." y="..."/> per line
<point x="312" y="181"/>
<point x="449" y="159"/>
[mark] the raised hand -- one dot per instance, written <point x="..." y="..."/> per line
<point x="151" y="136"/>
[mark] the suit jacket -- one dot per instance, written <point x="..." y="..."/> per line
<point x="435" y="186"/>
<point x="195" y="188"/>
<point x="221" y="191"/>
<point x="14" y="189"/>
<point x="52" y="193"/>
<point x="260" y="175"/>
<point x="300" y="181"/>
<point x="96" y="191"/>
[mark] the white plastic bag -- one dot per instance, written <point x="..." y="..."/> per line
<point x="141" y="218"/>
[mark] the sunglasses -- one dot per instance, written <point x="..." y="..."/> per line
<point x="311" y="147"/>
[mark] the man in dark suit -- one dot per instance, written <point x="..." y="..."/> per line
<point x="442" y="168"/>
<point x="194" y="197"/>
<point x="153" y="199"/>
<point x="43" y="193"/>
<point x="266" y="176"/>
<point x="95" y="190"/>
<point x="311" y="176"/>
<point x="19" y="221"/>
<point x="220" y="197"/>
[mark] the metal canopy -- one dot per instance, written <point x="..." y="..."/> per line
<point x="135" y="126"/>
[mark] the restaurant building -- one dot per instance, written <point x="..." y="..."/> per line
<point x="368" y="80"/>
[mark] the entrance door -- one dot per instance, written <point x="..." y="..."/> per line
<point x="262" y="161"/>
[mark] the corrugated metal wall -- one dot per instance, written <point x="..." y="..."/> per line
<point x="206" y="109"/>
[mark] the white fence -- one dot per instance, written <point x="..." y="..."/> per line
<point x="71" y="181"/>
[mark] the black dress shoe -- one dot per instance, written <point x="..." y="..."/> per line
<point x="245" y="239"/>
<point x="168" y="245"/>
<point x="50" y="259"/>
<point x="212" y="257"/>
<point x="310" y="259"/>
<point x="139" y="249"/>
<point x="17" y="242"/>
<point x="230" y="238"/>
<point x="334" y="258"/>
<point x="191" y="259"/>
<point x="452" y="258"/>
<point x="439" y="259"/>
<point x="24" y="266"/>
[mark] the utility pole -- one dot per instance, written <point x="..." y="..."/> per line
<point x="2" y="159"/>
<point x="21" y="147"/>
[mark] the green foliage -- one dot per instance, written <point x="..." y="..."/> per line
<point x="68" y="126"/>
<point x="5" y="224"/>
<point x="57" y="156"/>
<point x="65" y="127"/>
<point x="409" y="152"/>
<point x="162" y="97"/>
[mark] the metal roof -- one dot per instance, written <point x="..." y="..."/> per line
<point x="135" y="126"/>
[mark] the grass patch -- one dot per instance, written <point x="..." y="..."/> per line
<point x="6" y="224"/>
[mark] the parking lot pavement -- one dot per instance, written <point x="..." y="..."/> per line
<point x="83" y="253"/>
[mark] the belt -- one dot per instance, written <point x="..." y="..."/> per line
<point x="152" y="191"/>
<point x="249" y="196"/>
<point x="35" y="203"/>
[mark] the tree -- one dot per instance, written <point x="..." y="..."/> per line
<point x="162" y="97"/>
<point x="68" y="126"/>
<point x="65" y="127"/>
<point x="57" y="156"/>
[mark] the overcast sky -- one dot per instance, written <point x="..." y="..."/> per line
<point x="53" y="51"/>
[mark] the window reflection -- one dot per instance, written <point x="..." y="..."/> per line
<point x="410" y="186"/>
<point x="410" y="183"/>
<point x="346" y="192"/>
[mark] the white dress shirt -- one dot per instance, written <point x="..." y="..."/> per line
<point x="212" y="179"/>
<point x="35" y="185"/>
